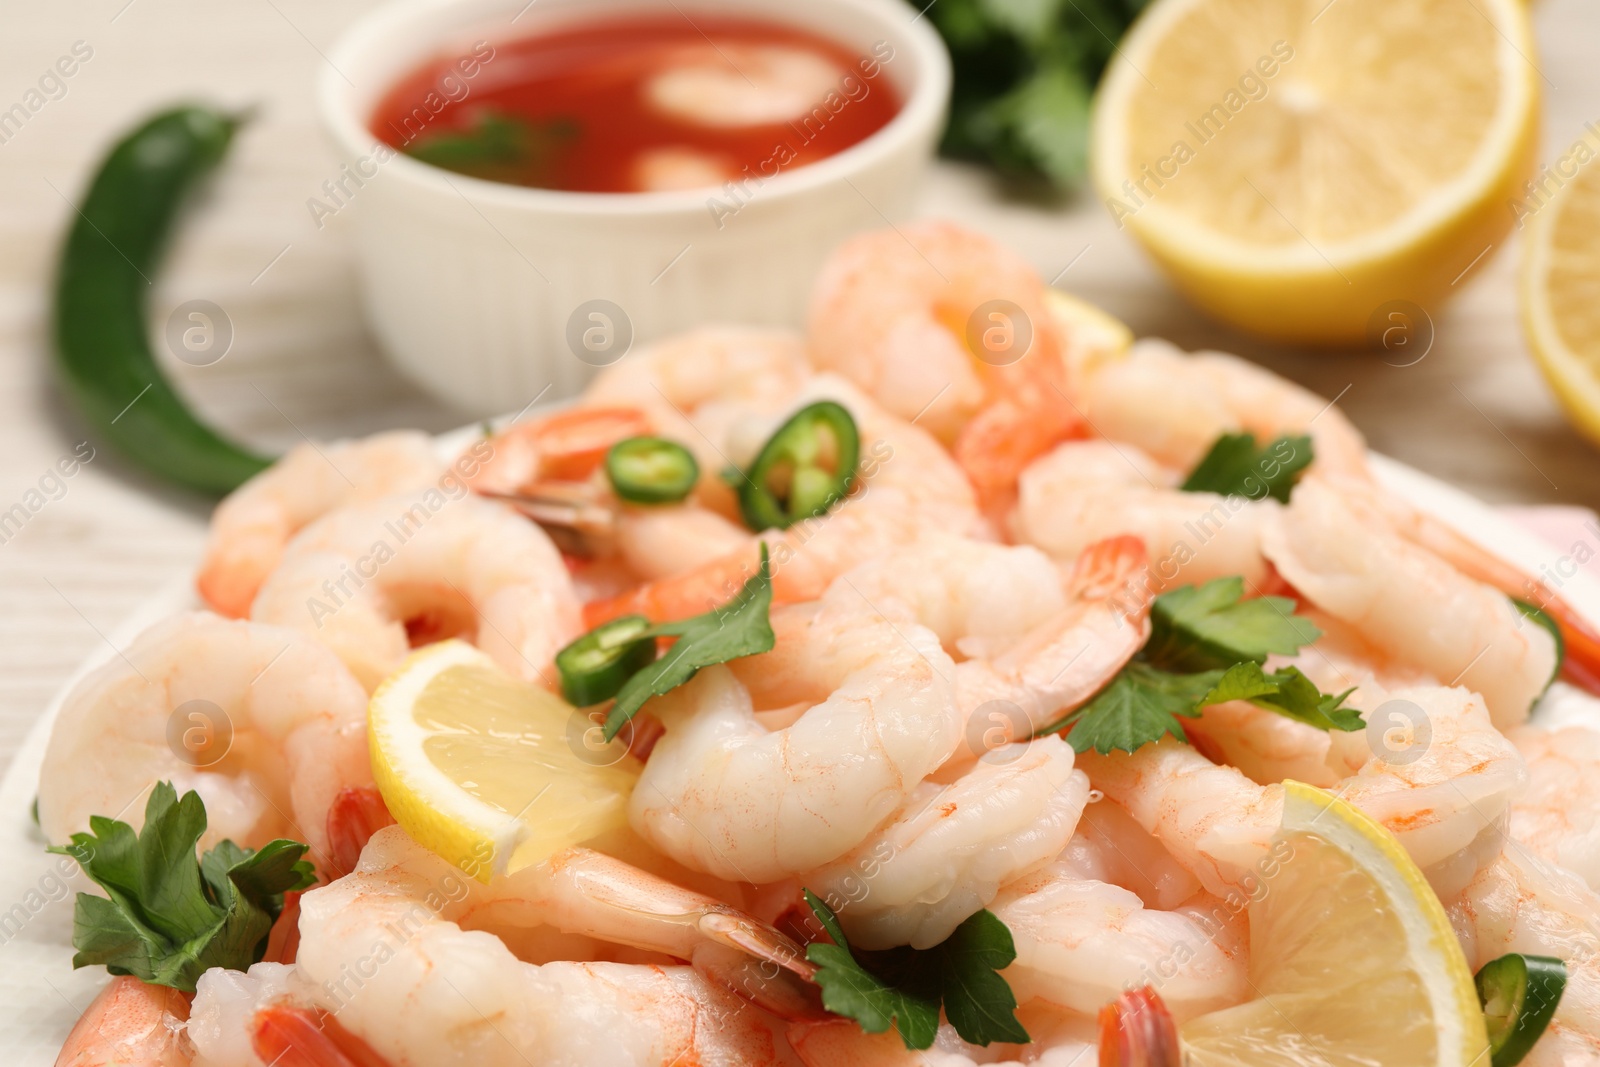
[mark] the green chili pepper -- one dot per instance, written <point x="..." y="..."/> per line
<point x="1519" y="995"/>
<point x="102" y="288"/>
<point x="594" y="666"/>
<point x="1543" y="618"/>
<point x="803" y="469"/>
<point x="651" y="470"/>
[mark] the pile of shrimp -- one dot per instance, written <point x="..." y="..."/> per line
<point x="1016" y="510"/>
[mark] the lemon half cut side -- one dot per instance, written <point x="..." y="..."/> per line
<point x="1295" y="165"/>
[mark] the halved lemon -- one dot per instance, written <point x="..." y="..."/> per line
<point x="1561" y="285"/>
<point x="1351" y="956"/>
<point x="1296" y="166"/>
<point x="487" y="771"/>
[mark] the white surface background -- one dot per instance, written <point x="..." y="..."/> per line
<point x="1473" y="412"/>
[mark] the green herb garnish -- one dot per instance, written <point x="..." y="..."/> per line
<point x="741" y="627"/>
<point x="1024" y="74"/>
<point x="496" y="146"/>
<point x="1540" y="617"/>
<point x="1207" y="646"/>
<point x="905" y="987"/>
<point x="172" y="915"/>
<point x="1236" y="467"/>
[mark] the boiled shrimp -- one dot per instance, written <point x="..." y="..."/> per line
<point x="946" y="852"/>
<point x="1559" y="815"/>
<point x="1445" y="790"/>
<point x="253" y="524"/>
<point x="1174" y="406"/>
<point x="1028" y="647"/>
<point x="728" y="85"/>
<point x="264" y="723"/>
<point x="1344" y="558"/>
<point x="1521" y="903"/>
<point x="387" y="935"/>
<point x="1082" y="492"/>
<point x="945" y="327"/>
<point x="371" y="580"/>
<point x="1269" y="747"/>
<point x="870" y="714"/>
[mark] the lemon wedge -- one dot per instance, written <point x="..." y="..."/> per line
<point x="1561" y="289"/>
<point x="1351" y="956"/>
<point x="1296" y="166"/>
<point x="487" y="771"/>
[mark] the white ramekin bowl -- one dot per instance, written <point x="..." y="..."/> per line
<point x="489" y="295"/>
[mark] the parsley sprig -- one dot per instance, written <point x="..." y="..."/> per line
<point x="169" y="915"/>
<point x="741" y="627"/>
<point x="1235" y="466"/>
<point x="1207" y="645"/>
<point x="905" y="987"/>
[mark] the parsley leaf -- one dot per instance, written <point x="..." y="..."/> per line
<point x="1207" y="645"/>
<point x="741" y="627"/>
<point x="1024" y="71"/>
<point x="171" y="916"/>
<point x="1288" y="692"/>
<point x="1141" y="704"/>
<point x="1211" y="626"/>
<point x="904" y="987"/>
<point x="497" y="146"/>
<point x="1236" y="467"/>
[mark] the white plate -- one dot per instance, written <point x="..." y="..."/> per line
<point x="44" y="995"/>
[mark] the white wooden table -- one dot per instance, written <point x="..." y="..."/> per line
<point x="1474" y="411"/>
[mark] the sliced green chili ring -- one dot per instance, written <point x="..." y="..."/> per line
<point x="651" y="470"/>
<point x="1543" y="618"/>
<point x="594" y="666"/>
<point x="1519" y="995"/>
<point x="803" y="470"/>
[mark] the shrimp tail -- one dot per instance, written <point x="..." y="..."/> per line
<point x="288" y="1036"/>
<point x="356" y="814"/>
<point x="130" y="1024"/>
<point x="768" y="984"/>
<point x="1136" y="1030"/>
<point x="736" y="931"/>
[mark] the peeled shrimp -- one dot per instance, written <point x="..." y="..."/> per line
<point x="870" y="713"/>
<point x="1028" y="649"/>
<point x="1348" y="561"/>
<point x="388" y="936"/>
<point x="730" y="85"/>
<point x="1175" y="405"/>
<point x="251" y="526"/>
<point x="1559" y="815"/>
<point x="1523" y="904"/>
<point x="370" y="580"/>
<point x="130" y="1024"/>
<point x="1269" y="747"/>
<point x="1084" y="491"/>
<point x="944" y="326"/>
<point x="1446" y="795"/>
<point x="265" y="724"/>
<point x="947" y="851"/>
<point x="1080" y="942"/>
